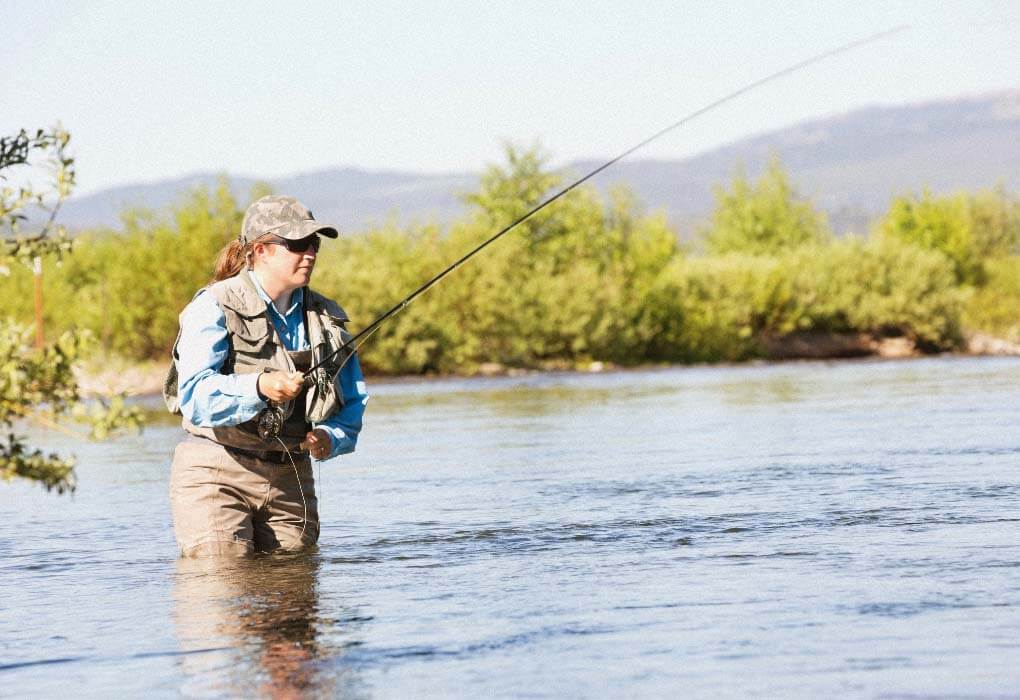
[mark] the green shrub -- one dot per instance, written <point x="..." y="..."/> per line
<point x="879" y="286"/>
<point x="588" y="279"/>
<point x="763" y="217"/>
<point x="995" y="307"/>
<point x="568" y="287"/>
<point x="995" y="222"/>
<point x="968" y="229"/>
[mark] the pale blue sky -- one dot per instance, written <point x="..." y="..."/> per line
<point x="155" y="90"/>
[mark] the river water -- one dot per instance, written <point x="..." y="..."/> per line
<point x="794" y="530"/>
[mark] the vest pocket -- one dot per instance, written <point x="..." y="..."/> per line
<point x="326" y="332"/>
<point x="334" y="331"/>
<point x="251" y="336"/>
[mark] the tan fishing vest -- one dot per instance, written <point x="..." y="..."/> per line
<point x="255" y="346"/>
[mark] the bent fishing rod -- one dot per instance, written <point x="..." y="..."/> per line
<point x="357" y="340"/>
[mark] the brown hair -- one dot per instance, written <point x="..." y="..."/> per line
<point x="234" y="257"/>
<point x="231" y="260"/>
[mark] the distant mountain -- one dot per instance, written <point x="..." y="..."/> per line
<point x="351" y="197"/>
<point x="849" y="165"/>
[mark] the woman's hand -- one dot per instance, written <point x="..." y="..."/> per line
<point x="317" y="443"/>
<point x="280" y="386"/>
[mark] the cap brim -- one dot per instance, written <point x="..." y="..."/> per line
<point x="304" y="229"/>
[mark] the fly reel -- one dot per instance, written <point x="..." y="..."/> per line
<point x="270" y="422"/>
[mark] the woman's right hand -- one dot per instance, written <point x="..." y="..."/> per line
<point x="280" y="386"/>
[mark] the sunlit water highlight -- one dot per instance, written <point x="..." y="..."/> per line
<point x="796" y="530"/>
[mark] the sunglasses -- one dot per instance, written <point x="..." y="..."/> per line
<point x="299" y="246"/>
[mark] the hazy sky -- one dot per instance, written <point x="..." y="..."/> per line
<point x="154" y="90"/>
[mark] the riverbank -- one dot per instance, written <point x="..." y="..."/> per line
<point x="112" y="375"/>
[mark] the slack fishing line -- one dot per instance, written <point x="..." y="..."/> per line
<point x="357" y="340"/>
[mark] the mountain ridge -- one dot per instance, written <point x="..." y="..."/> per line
<point x="850" y="165"/>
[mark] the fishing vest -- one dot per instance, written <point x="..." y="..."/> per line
<point x="255" y="346"/>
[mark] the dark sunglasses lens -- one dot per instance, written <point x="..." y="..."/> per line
<point x="302" y="245"/>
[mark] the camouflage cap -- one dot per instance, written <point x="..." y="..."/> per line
<point x="281" y="216"/>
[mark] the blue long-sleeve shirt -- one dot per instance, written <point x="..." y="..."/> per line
<point x="211" y="399"/>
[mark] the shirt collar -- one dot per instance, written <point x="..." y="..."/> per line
<point x="296" y="298"/>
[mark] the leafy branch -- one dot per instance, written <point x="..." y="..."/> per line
<point x="16" y="156"/>
<point x="39" y="384"/>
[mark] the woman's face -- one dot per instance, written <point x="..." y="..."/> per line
<point x="284" y="262"/>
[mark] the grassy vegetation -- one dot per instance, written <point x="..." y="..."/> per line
<point x="590" y="278"/>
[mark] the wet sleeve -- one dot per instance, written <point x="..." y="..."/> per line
<point x="208" y="398"/>
<point x="345" y="425"/>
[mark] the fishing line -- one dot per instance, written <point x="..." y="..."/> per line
<point x="401" y="305"/>
<point x="304" y="503"/>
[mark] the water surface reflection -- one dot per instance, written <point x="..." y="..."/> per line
<point x="797" y="531"/>
<point x="256" y="627"/>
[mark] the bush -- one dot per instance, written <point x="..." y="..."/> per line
<point x="725" y="307"/>
<point x="587" y="279"/>
<point x="36" y="381"/>
<point x="568" y="287"/>
<point x="995" y="307"/>
<point x="880" y="286"/>
<point x="764" y="217"/>
<point x="968" y="229"/>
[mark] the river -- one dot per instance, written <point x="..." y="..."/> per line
<point x="791" y="530"/>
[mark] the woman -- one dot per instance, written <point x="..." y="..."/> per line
<point x="241" y="480"/>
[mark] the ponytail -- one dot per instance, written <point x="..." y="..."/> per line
<point x="232" y="259"/>
<point x="236" y="256"/>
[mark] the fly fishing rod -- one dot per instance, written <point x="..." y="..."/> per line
<point x="359" y="338"/>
